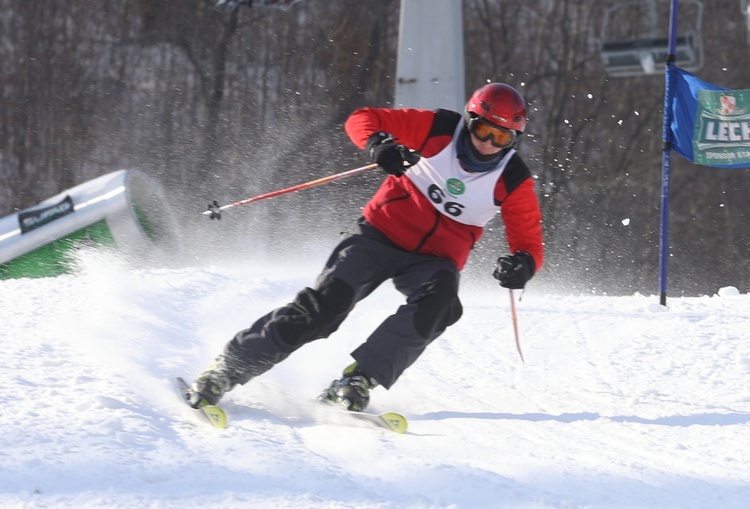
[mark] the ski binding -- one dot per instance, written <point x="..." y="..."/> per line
<point x="215" y="415"/>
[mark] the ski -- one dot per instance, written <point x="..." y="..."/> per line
<point x="213" y="414"/>
<point x="388" y="420"/>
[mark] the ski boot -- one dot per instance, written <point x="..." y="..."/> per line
<point x="351" y="392"/>
<point x="211" y="385"/>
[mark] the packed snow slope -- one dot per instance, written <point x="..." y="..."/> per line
<point x="621" y="403"/>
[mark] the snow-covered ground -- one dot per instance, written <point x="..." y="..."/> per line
<point x="621" y="403"/>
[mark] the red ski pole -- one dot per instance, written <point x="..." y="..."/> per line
<point x="214" y="210"/>
<point x="514" y="316"/>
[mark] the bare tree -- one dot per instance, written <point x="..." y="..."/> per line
<point x="223" y="106"/>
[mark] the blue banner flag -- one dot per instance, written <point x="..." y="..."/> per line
<point x="708" y="124"/>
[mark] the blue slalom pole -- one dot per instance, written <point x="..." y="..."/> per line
<point x="667" y="155"/>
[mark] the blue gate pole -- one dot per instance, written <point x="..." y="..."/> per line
<point x="667" y="155"/>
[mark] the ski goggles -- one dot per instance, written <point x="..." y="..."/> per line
<point x="498" y="136"/>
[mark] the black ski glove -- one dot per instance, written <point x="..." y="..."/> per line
<point x="514" y="271"/>
<point x="392" y="157"/>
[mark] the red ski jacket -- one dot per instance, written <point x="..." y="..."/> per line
<point x="408" y="218"/>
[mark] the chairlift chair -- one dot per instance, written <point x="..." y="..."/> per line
<point x="645" y="55"/>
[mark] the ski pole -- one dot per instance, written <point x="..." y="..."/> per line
<point x="214" y="210"/>
<point x="515" y="324"/>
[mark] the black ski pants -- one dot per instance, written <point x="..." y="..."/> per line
<point x="358" y="265"/>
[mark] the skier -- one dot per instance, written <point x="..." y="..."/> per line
<point x="417" y="230"/>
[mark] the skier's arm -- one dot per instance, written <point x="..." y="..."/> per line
<point x="410" y="127"/>
<point x="523" y="221"/>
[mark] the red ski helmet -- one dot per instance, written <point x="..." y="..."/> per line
<point x="498" y="104"/>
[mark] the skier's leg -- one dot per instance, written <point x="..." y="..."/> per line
<point x="357" y="266"/>
<point x="432" y="305"/>
<point x="314" y="313"/>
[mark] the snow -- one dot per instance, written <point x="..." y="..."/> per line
<point x="621" y="403"/>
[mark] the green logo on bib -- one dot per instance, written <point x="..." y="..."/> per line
<point x="455" y="187"/>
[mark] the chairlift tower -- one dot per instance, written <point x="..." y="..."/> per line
<point x="635" y="40"/>
<point x="430" y="64"/>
